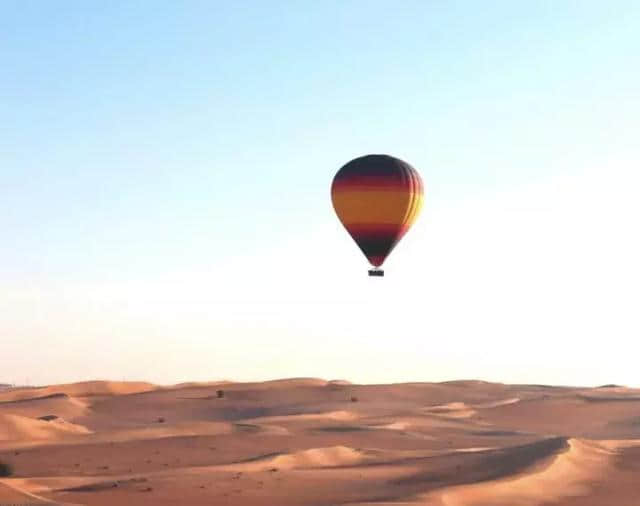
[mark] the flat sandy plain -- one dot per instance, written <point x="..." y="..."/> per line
<point x="316" y="442"/>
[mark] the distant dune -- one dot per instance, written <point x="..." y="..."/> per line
<point x="83" y="389"/>
<point x="308" y="441"/>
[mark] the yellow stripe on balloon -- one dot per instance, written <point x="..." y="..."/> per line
<point x="375" y="206"/>
<point x="414" y="209"/>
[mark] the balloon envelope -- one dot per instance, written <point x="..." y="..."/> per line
<point x="377" y="198"/>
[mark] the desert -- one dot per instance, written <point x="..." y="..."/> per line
<point x="309" y="441"/>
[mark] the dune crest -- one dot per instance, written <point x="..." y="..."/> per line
<point x="497" y="404"/>
<point x="452" y="410"/>
<point x="568" y="475"/>
<point x="11" y="495"/>
<point x="20" y="428"/>
<point x="339" y="382"/>
<point x="60" y="405"/>
<point x="334" y="456"/>
<point x="294" y="382"/>
<point x="320" y="457"/>
<point x="342" y="415"/>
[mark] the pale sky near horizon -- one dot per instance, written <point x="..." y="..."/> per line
<point x="164" y="190"/>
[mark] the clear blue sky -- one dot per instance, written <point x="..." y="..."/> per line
<point x="165" y="171"/>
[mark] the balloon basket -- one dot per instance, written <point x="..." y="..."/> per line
<point x="376" y="272"/>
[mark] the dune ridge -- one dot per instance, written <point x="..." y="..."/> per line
<point x="452" y="410"/>
<point x="311" y="458"/>
<point x="80" y="389"/>
<point x="342" y="415"/>
<point x="60" y="405"/>
<point x="568" y="475"/>
<point x="20" y="428"/>
<point x="11" y="495"/>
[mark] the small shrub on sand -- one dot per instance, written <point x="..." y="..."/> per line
<point x="5" y="469"/>
<point x="354" y="399"/>
<point x="220" y="394"/>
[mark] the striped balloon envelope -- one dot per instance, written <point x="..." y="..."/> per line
<point x="377" y="198"/>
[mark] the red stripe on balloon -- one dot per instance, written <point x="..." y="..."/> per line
<point x="377" y="260"/>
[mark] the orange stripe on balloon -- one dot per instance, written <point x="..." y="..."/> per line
<point x="369" y="206"/>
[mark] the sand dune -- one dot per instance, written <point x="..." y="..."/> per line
<point x="289" y="383"/>
<point x="60" y="405"/>
<point x="197" y="384"/>
<point x="20" y="428"/>
<point x="264" y="429"/>
<point x="319" y="457"/>
<point x="452" y="410"/>
<point x="306" y="459"/>
<point x="568" y="475"/>
<point x="10" y="495"/>
<point x="82" y="389"/>
<point x="91" y="388"/>
<point x="75" y="434"/>
<point x="495" y="404"/>
<point x="306" y="441"/>
<point x="157" y="431"/>
<point x="611" y="397"/>
<point x="342" y="415"/>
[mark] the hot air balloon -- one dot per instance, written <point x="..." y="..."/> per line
<point x="377" y="198"/>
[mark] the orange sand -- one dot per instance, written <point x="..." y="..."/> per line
<point x="304" y="442"/>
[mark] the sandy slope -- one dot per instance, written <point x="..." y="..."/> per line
<point x="13" y="495"/>
<point x="305" y="442"/>
<point x="568" y="475"/>
<point x="17" y="428"/>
